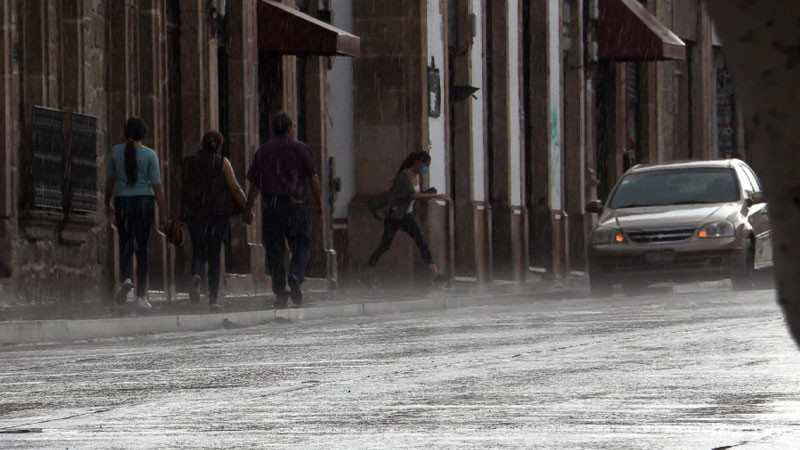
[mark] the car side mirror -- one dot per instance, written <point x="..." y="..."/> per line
<point x="758" y="197"/>
<point x="594" y="206"/>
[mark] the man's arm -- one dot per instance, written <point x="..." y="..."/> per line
<point x="316" y="189"/>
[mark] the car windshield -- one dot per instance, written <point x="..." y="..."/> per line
<point x="675" y="187"/>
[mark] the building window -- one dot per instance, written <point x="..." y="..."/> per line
<point x="434" y="90"/>
<point x="48" y="159"/>
<point x="64" y="164"/>
<point x="82" y="169"/>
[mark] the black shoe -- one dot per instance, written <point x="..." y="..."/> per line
<point x="281" y="300"/>
<point x="294" y="285"/>
<point x="439" y="279"/>
<point x="122" y="293"/>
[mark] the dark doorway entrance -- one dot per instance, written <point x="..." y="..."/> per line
<point x="174" y="133"/>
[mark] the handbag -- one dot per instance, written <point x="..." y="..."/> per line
<point x="378" y="205"/>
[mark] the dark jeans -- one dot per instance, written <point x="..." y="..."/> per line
<point x="134" y="218"/>
<point x="285" y="219"/>
<point x="390" y="227"/>
<point x="207" y="236"/>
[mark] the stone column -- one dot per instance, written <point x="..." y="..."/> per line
<point x="461" y="111"/>
<point x="152" y="69"/>
<point x="9" y="142"/>
<point x="8" y="116"/>
<point x="72" y="50"/>
<point x="619" y="123"/>
<point x="438" y="215"/>
<point x="537" y="127"/>
<point x="33" y="43"/>
<point x="123" y="99"/>
<point x="122" y="96"/>
<point x="520" y="222"/>
<point x="500" y="141"/>
<point x="768" y="94"/>
<point x="317" y="98"/>
<point x="703" y="82"/>
<point x="481" y="209"/>
<point x="386" y="131"/>
<point x="549" y="230"/>
<point x="648" y="107"/>
<point x="665" y="91"/>
<point x="199" y="85"/>
<point x="247" y="254"/>
<point x="199" y="89"/>
<point x="575" y="149"/>
<point x="289" y="79"/>
<point x="592" y="180"/>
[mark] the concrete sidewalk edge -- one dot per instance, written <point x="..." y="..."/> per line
<point x="42" y="331"/>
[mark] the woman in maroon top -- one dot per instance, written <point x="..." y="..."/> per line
<point x="210" y="194"/>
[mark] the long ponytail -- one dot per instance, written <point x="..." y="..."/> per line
<point x="135" y="130"/>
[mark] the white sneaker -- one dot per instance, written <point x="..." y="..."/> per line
<point x="122" y="293"/>
<point x="142" y="303"/>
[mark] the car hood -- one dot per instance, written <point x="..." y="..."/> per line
<point x="666" y="216"/>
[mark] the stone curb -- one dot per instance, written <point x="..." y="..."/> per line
<point x="41" y="331"/>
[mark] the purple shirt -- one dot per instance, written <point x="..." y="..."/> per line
<point x="282" y="166"/>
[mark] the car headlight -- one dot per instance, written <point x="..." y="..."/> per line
<point x="718" y="229"/>
<point x="606" y="236"/>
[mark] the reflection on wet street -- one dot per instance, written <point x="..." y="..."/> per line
<point x="699" y="368"/>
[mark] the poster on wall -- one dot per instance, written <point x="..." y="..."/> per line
<point x="434" y="90"/>
<point x="726" y="115"/>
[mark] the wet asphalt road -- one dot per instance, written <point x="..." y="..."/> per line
<point x="701" y="368"/>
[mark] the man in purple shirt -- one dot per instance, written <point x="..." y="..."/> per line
<point x="280" y="171"/>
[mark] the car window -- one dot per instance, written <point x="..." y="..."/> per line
<point x="747" y="184"/>
<point x="753" y="178"/>
<point x="675" y="187"/>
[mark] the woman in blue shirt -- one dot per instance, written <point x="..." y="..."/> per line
<point x="134" y="183"/>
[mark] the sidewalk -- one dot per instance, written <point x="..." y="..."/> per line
<point x="90" y="320"/>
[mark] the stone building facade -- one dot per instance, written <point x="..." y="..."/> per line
<point x="542" y="109"/>
<point x="74" y="71"/>
<point x="526" y="108"/>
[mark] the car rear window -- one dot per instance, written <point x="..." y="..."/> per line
<point x="675" y="187"/>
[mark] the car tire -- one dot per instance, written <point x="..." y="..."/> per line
<point x="744" y="279"/>
<point x="600" y="286"/>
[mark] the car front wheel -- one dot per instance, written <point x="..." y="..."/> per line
<point x="743" y="280"/>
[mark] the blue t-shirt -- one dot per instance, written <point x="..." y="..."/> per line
<point x="148" y="171"/>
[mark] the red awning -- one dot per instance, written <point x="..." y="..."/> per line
<point x="283" y="29"/>
<point x="626" y="31"/>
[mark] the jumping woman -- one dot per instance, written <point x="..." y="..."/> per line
<point x="397" y="214"/>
